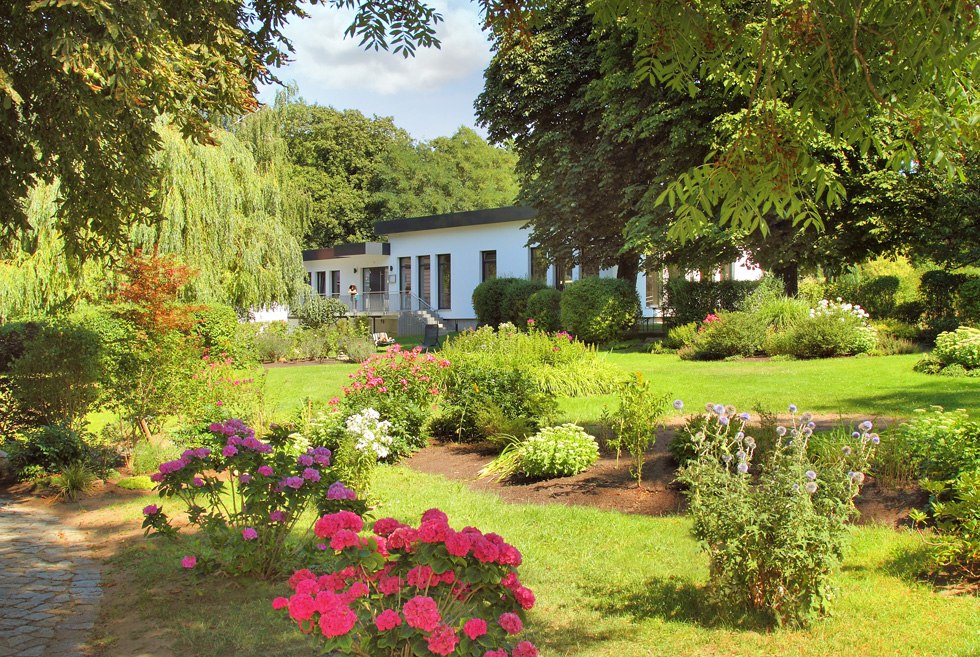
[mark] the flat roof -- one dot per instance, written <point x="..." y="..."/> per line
<point x="456" y="220"/>
<point x="344" y="250"/>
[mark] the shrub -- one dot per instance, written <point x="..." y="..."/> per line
<point x="139" y="482"/>
<point x="690" y="301"/>
<point x="959" y="347"/>
<point x="636" y="421"/>
<point x="731" y="334"/>
<point x="544" y="307"/>
<point x="968" y="303"/>
<point x="909" y="312"/>
<point x="833" y="329"/>
<point x="56" y="376"/>
<point x="145" y="457"/>
<point x="774" y="540"/>
<point x="401" y="386"/>
<point x="488" y="300"/>
<point x="272" y="343"/>
<point x="515" y="299"/>
<point x="781" y="313"/>
<point x="877" y="295"/>
<point x="939" y="292"/>
<point x="681" y="336"/>
<point x="317" y="312"/>
<point x="358" y="349"/>
<point x="942" y="444"/>
<point x="47" y="448"/>
<point x="410" y="591"/>
<point x="219" y="331"/>
<point x="315" y="344"/>
<point x="599" y="309"/>
<point x="559" y="451"/>
<point x="954" y="548"/>
<point x="246" y="496"/>
<point x="74" y="480"/>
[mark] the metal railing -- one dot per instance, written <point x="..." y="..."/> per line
<point x="384" y="302"/>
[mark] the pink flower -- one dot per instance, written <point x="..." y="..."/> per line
<point x="265" y="471"/>
<point x="197" y="482"/>
<point x="390" y="585"/>
<point x="499" y="652"/>
<point x="485" y="551"/>
<point x="511" y="623"/>
<point x="301" y="606"/>
<point x="344" y="538"/>
<point x="475" y="628"/>
<point x="229" y="451"/>
<point x="525" y="649"/>
<point x="308" y="586"/>
<point x="244" y="478"/>
<point x="277" y="516"/>
<point x="280" y="603"/>
<point x="524" y="596"/>
<point x="443" y="640"/>
<point x="421" y="613"/>
<point x="151" y="510"/>
<point x="339" y="622"/>
<point x="387" y="620"/>
<point x="384" y="526"/>
<point x="189" y="561"/>
<point x="299" y="576"/>
<point x="249" y="534"/>
<point x="458" y="544"/>
<point x="420" y="577"/>
<point x="311" y="474"/>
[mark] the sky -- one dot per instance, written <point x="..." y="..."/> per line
<point x="429" y="95"/>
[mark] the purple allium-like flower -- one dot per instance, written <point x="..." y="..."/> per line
<point x="678" y="404"/>
<point x="796" y="488"/>
<point x="723" y="420"/>
<point x="875" y="438"/>
<point x="745" y="417"/>
<point x="718" y="409"/>
<point x="811" y="487"/>
<point x="792" y="408"/>
<point x="742" y="468"/>
<point x="857" y="478"/>
<point x="846" y="449"/>
<point x="740" y="455"/>
<point x="249" y="534"/>
<point x="856" y="434"/>
<point x="811" y="475"/>
<point x="865" y="426"/>
<point x="727" y="458"/>
<point x="780" y="431"/>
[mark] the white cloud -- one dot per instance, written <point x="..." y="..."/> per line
<point x="326" y="61"/>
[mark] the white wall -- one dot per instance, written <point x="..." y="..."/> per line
<point x="464" y="245"/>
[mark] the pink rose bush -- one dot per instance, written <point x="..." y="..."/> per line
<point x="247" y="495"/>
<point x="411" y="590"/>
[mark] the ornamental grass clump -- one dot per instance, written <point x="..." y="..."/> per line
<point x="775" y="529"/>
<point x="402" y="590"/>
<point x="246" y="496"/>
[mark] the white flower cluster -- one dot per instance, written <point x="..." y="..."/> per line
<point x="840" y="309"/>
<point x="371" y="432"/>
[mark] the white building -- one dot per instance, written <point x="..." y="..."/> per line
<point x="428" y="268"/>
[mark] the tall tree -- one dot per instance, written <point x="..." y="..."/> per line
<point x="446" y="174"/>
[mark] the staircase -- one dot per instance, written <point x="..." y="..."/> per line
<point x="413" y="322"/>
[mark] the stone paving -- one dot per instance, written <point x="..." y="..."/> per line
<point x="49" y="592"/>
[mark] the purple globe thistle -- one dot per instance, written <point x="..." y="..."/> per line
<point x="865" y="426"/>
<point x="811" y="475"/>
<point x="875" y="438"/>
<point x="742" y="468"/>
<point x="810" y="487"/>
<point x="780" y="431"/>
<point x="718" y="409"/>
<point x="855" y="434"/>
<point x="846" y="449"/>
<point x="744" y="417"/>
<point x="792" y="408"/>
<point x="678" y="404"/>
<point x="723" y="420"/>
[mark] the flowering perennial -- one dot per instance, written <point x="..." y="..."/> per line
<point x="411" y="590"/>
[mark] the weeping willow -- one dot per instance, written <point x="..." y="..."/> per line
<point x="230" y="211"/>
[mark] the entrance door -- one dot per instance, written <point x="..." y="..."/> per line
<point x="375" y="286"/>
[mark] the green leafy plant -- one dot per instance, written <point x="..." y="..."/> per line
<point x="730" y="334"/>
<point x="959" y="347"/>
<point x="774" y="536"/>
<point x="544" y="307"/>
<point x="45" y="448"/>
<point x="954" y="546"/>
<point x="598" y="310"/>
<point x="682" y="336"/>
<point x="637" y="418"/>
<point x="833" y="329"/>
<point x="318" y="311"/>
<point x="559" y="451"/>
<point x="73" y="481"/>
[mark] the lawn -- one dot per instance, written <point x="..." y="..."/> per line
<point x="607" y="584"/>
<point x="876" y="387"/>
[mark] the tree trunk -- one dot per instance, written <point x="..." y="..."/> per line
<point x="628" y="266"/>
<point x="145" y="429"/>
<point x="789" y="274"/>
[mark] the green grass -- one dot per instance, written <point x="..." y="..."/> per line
<point x="876" y="387"/>
<point x="608" y="585"/>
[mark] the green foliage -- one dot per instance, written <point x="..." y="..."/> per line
<point x="515" y="300"/>
<point x="968" y="303"/>
<point x="74" y="480"/>
<point x="559" y="451"/>
<point x="358" y="348"/>
<point x="942" y="444"/>
<point x="145" y="457"/>
<point x="939" y="292"/>
<point x="636" y="420"/>
<point x="775" y="539"/>
<point x="959" y="347"/>
<point x="954" y="549"/>
<point x="544" y="307"/>
<point x="492" y="298"/>
<point x="831" y="330"/>
<point x="216" y="327"/>
<point x="48" y="448"/>
<point x="272" y="342"/>
<point x="731" y="334"/>
<point x="691" y="301"/>
<point x="599" y="309"/>
<point x="317" y="312"/>
<point x="557" y="364"/>
<point x="56" y="376"/>
<point x="682" y="336"/>
<point x="139" y="482"/>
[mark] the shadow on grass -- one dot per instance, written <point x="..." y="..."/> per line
<point x="674" y="600"/>
<point x="965" y="395"/>
<point x="909" y="563"/>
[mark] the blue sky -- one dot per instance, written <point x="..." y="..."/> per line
<point x="428" y="95"/>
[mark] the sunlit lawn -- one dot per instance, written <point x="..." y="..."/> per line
<point x="608" y="585"/>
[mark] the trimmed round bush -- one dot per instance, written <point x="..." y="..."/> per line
<point x="488" y="300"/>
<point x="320" y="311"/>
<point x="544" y="307"/>
<point x="599" y="309"/>
<point x="968" y="303"/>
<point x="516" y="295"/>
<point x="559" y="451"/>
<point x="732" y="334"/>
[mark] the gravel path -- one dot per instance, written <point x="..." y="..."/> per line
<point x="49" y="592"/>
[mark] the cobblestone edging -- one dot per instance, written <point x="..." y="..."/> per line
<point x="49" y="592"/>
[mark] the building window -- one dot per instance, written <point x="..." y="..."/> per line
<point x="321" y="282"/>
<point x="727" y="273"/>
<point x="488" y="262"/>
<point x="564" y="268"/>
<point x="655" y="286"/>
<point x="425" y="280"/>
<point x="445" y="281"/>
<point x="539" y="264"/>
<point x="335" y="283"/>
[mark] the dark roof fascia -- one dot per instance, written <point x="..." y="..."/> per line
<point x="342" y="251"/>
<point x="456" y="220"/>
